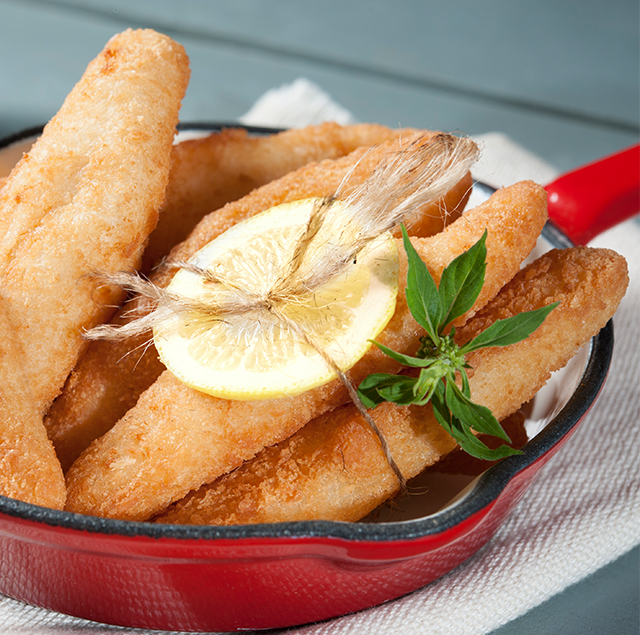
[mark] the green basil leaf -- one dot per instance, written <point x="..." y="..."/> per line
<point x="399" y="392"/>
<point x="368" y="389"/>
<point x="405" y="360"/>
<point x="510" y="330"/>
<point x="461" y="282"/>
<point x="427" y="381"/>
<point x="440" y="410"/>
<point x="473" y="415"/>
<point x="466" y="389"/>
<point x="461" y="433"/>
<point x="422" y="295"/>
<point x="473" y="446"/>
<point x="380" y="387"/>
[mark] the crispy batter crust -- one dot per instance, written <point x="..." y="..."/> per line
<point x="85" y="199"/>
<point x="29" y="468"/>
<point x="334" y="468"/>
<point x="111" y="376"/>
<point x="589" y="284"/>
<point x="208" y="173"/>
<point x="176" y="439"/>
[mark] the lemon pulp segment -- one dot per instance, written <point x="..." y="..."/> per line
<point x="257" y="354"/>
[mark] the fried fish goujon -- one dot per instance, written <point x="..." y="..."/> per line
<point x="208" y="173"/>
<point x="29" y="468"/>
<point x="111" y="376"/>
<point x="334" y="469"/>
<point x="86" y="198"/>
<point x="176" y="439"/>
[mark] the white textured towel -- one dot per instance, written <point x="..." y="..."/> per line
<point x="582" y="512"/>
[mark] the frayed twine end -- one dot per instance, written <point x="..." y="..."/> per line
<point x="401" y="184"/>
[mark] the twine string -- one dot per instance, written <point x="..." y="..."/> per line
<point x="402" y="183"/>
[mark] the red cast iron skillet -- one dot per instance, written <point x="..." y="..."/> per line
<point x="195" y="578"/>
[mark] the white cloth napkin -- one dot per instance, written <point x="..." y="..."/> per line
<point x="582" y="512"/>
<point x="294" y="105"/>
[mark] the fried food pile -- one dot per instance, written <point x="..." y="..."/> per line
<point x="102" y="428"/>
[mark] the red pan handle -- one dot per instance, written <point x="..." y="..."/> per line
<point x="593" y="198"/>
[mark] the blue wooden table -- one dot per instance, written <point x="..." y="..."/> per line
<point x="560" y="78"/>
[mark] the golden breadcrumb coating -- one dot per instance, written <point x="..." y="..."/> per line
<point x="210" y="172"/>
<point x="85" y="199"/>
<point x="29" y="468"/>
<point x="589" y="284"/>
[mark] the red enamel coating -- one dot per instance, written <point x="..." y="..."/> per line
<point x="594" y="198"/>
<point x="227" y="585"/>
<point x="213" y="585"/>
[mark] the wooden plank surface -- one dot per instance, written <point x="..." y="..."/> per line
<point x="239" y="50"/>
<point x="568" y="57"/>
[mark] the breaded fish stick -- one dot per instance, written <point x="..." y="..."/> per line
<point x="208" y="173"/>
<point x="29" y="468"/>
<point x="111" y="376"/>
<point x="176" y="439"/>
<point x="334" y="469"/>
<point x="86" y="198"/>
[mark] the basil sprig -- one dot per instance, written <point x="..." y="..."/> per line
<point x="440" y="359"/>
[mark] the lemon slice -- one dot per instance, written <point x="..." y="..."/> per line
<point x="257" y="354"/>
